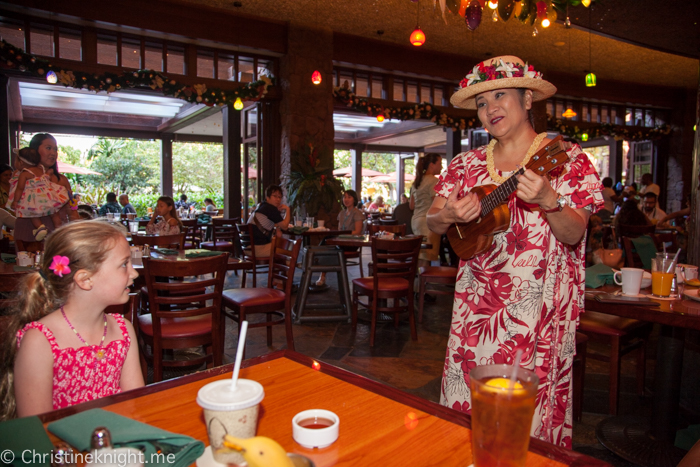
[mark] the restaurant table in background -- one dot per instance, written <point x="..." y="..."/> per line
<point x="361" y="241"/>
<point x="649" y="443"/>
<point x="234" y="264"/>
<point x="309" y="235"/>
<point x="379" y="425"/>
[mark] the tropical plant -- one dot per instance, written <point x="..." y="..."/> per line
<point x="310" y="184"/>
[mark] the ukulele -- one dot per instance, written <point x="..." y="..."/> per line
<point x="475" y="237"/>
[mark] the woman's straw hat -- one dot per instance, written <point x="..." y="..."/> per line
<point x="506" y="71"/>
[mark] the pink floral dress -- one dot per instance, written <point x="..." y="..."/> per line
<point x="525" y="292"/>
<point x="78" y="376"/>
<point x="41" y="197"/>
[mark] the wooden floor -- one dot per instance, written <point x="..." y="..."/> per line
<point x="416" y="366"/>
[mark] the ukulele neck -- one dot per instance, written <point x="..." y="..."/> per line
<point x="501" y="193"/>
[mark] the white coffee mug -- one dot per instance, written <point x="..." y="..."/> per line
<point x="631" y="280"/>
<point x="321" y="223"/>
<point x="686" y="272"/>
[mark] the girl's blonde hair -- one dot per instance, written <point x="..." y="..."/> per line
<point x="86" y="244"/>
<point x="171" y="204"/>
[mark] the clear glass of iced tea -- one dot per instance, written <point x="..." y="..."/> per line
<point x="501" y="414"/>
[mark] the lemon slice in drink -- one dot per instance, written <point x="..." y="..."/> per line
<point x="503" y="383"/>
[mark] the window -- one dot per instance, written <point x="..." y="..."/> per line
<point x="377" y="87"/>
<point x="438" y="96"/>
<point x="640" y="159"/>
<point x="226" y="67"/>
<point x="42" y="40"/>
<point x="131" y="53"/>
<point x="265" y="68"/>
<point x="175" y="58"/>
<point x="13" y="33"/>
<point x="205" y="64"/>
<point x="412" y="92"/>
<point x="347" y="76"/>
<point x="600" y="158"/>
<point x="70" y="44"/>
<point x="425" y="94"/>
<point x="362" y="85"/>
<point x="153" y="55"/>
<point x="107" y="49"/>
<point x="398" y="90"/>
<point x="246" y="69"/>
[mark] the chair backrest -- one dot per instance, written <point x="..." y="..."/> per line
<point x="399" y="229"/>
<point x="395" y="258"/>
<point x="246" y="241"/>
<point x="203" y="284"/>
<point x="32" y="247"/>
<point x="633" y="231"/>
<point x="283" y="263"/>
<point x="632" y="257"/>
<point x="224" y="230"/>
<point x="176" y="241"/>
<point x="388" y="222"/>
<point x="192" y="230"/>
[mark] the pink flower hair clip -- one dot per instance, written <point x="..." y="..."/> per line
<point x="60" y="265"/>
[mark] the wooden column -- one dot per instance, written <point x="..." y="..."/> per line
<point x="231" y="123"/>
<point x="166" y="165"/>
<point x="4" y="119"/>
<point x="356" y="162"/>
<point x="694" y="234"/>
<point x="454" y="144"/>
<point x="269" y="129"/>
<point x="400" y="169"/>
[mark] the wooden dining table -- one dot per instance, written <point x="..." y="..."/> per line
<point x="379" y="425"/>
<point x="234" y="264"/>
<point x="360" y="241"/>
<point x="643" y="441"/>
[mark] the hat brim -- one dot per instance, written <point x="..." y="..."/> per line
<point x="541" y="89"/>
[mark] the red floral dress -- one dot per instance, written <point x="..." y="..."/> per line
<point x="525" y="292"/>
<point x="78" y="376"/>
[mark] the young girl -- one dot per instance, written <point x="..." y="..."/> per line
<point x="170" y="223"/>
<point x="35" y="195"/>
<point x="62" y="346"/>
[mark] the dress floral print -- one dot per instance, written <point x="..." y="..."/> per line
<point x="78" y="376"/>
<point x="524" y="293"/>
<point x="41" y="196"/>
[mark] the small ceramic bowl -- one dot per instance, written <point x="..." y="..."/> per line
<point x="315" y="428"/>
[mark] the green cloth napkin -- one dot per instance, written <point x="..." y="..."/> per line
<point x="201" y="253"/>
<point x="204" y="219"/>
<point x="22" y="268"/>
<point x="645" y="248"/>
<point x="598" y="275"/>
<point x="25" y="434"/>
<point x="297" y="230"/>
<point x="167" y="251"/>
<point x="77" y="429"/>
<point x="351" y="237"/>
<point x="8" y="258"/>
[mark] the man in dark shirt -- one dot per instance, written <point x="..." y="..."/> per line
<point x="110" y="206"/>
<point x="269" y="214"/>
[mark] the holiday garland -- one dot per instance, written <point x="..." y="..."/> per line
<point x="618" y="132"/>
<point x="15" y="57"/>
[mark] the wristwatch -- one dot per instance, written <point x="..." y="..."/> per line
<point x="561" y="202"/>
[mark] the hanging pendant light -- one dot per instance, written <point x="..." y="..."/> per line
<point x="51" y="77"/>
<point x="584" y="137"/>
<point x="417" y="36"/>
<point x="380" y="118"/>
<point x="238" y="105"/>
<point x="545" y="22"/>
<point x="591" y="80"/>
<point x="569" y="113"/>
<point x="316" y="77"/>
<point x="590" y="77"/>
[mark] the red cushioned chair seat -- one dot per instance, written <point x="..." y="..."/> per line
<point x="385" y="284"/>
<point x="219" y="244"/>
<point x="253" y="297"/>
<point x="439" y="272"/>
<point x="176" y="328"/>
<point x="610" y="325"/>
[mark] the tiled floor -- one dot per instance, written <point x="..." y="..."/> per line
<point x="416" y="366"/>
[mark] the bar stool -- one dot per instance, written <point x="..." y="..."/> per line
<point x="323" y="259"/>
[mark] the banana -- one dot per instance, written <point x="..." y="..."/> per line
<point x="259" y="451"/>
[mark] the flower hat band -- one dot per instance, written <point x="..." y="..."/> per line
<point x="502" y="72"/>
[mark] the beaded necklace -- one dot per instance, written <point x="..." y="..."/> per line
<point x="100" y="354"/>
<point x="530" y="152"/>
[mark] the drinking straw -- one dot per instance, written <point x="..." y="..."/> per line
<point x="514" y="373"/>
<point x="239" y="355"/>
<point x="672" y="267"/>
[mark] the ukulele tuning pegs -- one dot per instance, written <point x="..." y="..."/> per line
<point x="536" y="158"/>
<point x="540" y="169"/>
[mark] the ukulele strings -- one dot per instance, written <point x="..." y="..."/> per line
<point x="497" y="196"/>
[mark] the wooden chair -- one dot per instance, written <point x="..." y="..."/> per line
<point x="632" y="258"/>
<point x="632" y="231"/>
<point x="129" y="310"/>
<point x="176" y="241"/>
<point x="435" y="275"/>
<point x="32" y="247"/>
<point x="624" y="335"/>
<point x="578" y="375"/>
<point x="178" y="316"/>
<point x="394" y="273"/>
<point x="273" y="301"/>
<point x="193" y="234"/>
<point x="246" y="240"/>
<point x="224" y="235"/>
<point x="383" y="221"/>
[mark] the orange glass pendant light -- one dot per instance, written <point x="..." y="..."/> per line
<point x="316" y="77"/>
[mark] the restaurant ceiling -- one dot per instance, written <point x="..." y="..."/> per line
<point x="672" y="30"/>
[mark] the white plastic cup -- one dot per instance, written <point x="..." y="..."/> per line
<point x="319" y="436"/>
<point x="310" y="222"/>
<point x="630" y="280"/>
<point x="321" y="223"/>
<point x="110" y="216"/>
<point x="134" y="227"/>
<point x="228" y="412"/>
